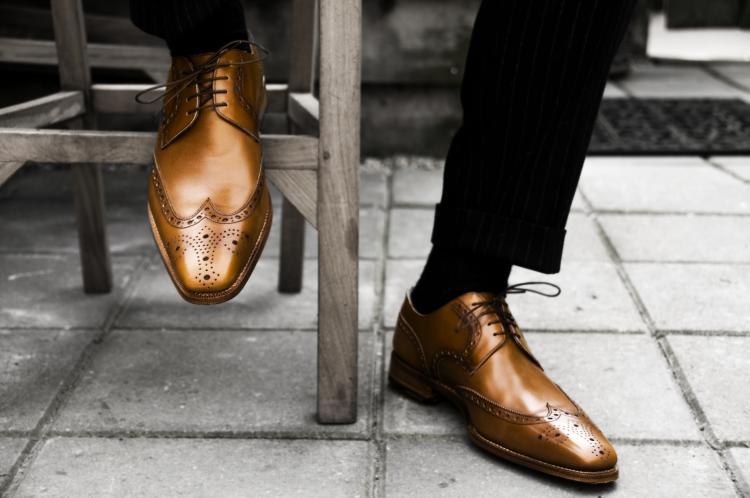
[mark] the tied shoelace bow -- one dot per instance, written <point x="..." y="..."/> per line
<point x="203" y="76"/>
<point x="496" y="306"/>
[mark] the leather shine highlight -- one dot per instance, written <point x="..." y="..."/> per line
<point x="208" y="202"/>
<point x="485" y="366"/>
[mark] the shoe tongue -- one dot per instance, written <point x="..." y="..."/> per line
<point x="200" y="59"/>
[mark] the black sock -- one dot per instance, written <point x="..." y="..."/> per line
<point x="226" y="25"/>
<point x="448" y="274"/>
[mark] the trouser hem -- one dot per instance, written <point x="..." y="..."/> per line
<point x="520" y="243"/>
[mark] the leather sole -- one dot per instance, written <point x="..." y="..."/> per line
<point x="424" y="389"/>
<point x="237" y="285"/>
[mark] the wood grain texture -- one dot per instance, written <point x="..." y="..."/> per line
<point x="300" y="187"/>
<point x="88" y="188"/>
<point x="108" y="98"/>
<point x="132" y="147"/>
<point x="8" y="169"/>
<point x="44" y="111"/>
<point x="338" y="213"/>
<point x="42" y="52"/>
<point x="303" y="59"/>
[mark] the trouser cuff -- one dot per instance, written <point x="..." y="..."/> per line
<point x="532" y="246"/>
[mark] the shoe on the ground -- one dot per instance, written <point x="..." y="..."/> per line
<point x="208" y="204"/>
<point x="472" y="353"/>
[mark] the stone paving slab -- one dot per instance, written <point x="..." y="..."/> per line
<point x="675" y="81"/>
<point x="737" y="72"/>
<point x="122" y="184"/>
<point x="421" y="184"/>
<point x="50" y="227"/>
<point x="740" y="166"/>
<point x="10" y="449"/>
<point x="680" y="185"/>
<point x="193" y="467"/>
<point x="593" y="297"/>
<point x="678" y="238"/>
<point x="371" y="228"/>
<point x="718" y="370"/>
<point x="694" y="296"/>
<point x="613" y="91"/>
<point x="418" y="186"/>
<point x="47" y="291"/>
<point x="33" y="364"/>
<point x="622" y="381"/>
<point x="373" y="184"/>
<point x="156" y="303"/>
<point x="449" y="467"/>
<point x="591" y="369"/>
<point x="742" y="458"/>
<point x="410" y="230"/>
<point x="208" y="381"/>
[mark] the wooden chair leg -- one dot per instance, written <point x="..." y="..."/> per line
<point x="292" y="255"/>
<point x="301" y="79"/>
<point x="70" y="38"/>
<point x="338" y="212"/>
<point x="92" y="238"/>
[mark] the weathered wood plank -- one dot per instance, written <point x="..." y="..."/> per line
<point x="132" y="147"/>
<point x="73" y="68"/>
<point x="300" y="187"/>
<point x="304" y="111"/>
<point x="7" y="169"/>
<point x="42" y="52"/>
<point x="292" y="249"/>
<point x="338" y="213"/>
<point x="302" y="62"/>
<point x="44" y="111"/>
<point x="121" y="98"/>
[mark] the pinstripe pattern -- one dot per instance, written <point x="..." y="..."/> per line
<point x="533" y="81"/>
<point x="534" y="77"/>
<point x="190" y="26"/>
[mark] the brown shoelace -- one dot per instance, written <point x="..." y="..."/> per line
<point x="203" y="77"/>
<point x="497" y="307"/>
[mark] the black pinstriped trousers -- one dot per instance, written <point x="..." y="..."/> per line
<point x="533" y="81"/>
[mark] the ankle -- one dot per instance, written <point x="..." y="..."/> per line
<point x="449" y="274"/>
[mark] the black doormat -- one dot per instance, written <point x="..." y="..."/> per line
<point x="672" y="127"/>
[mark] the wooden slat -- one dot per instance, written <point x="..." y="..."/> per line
<point x="88" y="188"/>
<point x="300" y="188"/>
<point x="7" y="169"/>
<point x="44" y="111"/>
<point x="121" y="98"/>
<point x="132" y="147"/>
<point x="338" y="213"/>
<point x="302" y="62"/>
<point x="304" y="111"/>
<point x="43" y="52"/>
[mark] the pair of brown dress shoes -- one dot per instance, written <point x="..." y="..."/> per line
<point x="210" y="213"/>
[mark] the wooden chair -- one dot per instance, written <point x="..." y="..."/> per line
<point x="315" y="167"/>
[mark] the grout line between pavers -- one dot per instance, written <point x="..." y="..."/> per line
<point x="378" y="469"/>
<point x="718" y="75"/>
<point x="38" y="435"/>
<point x="717" y="165"/>
<point x="670" y="357"/>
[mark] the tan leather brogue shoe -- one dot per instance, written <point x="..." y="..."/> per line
<point x="472" y="353"/>
<point x="208" y="203"/>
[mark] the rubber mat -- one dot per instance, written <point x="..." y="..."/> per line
<point x="672" y="127"/>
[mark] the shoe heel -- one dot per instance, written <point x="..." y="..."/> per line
<point x="410" y="381"/>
